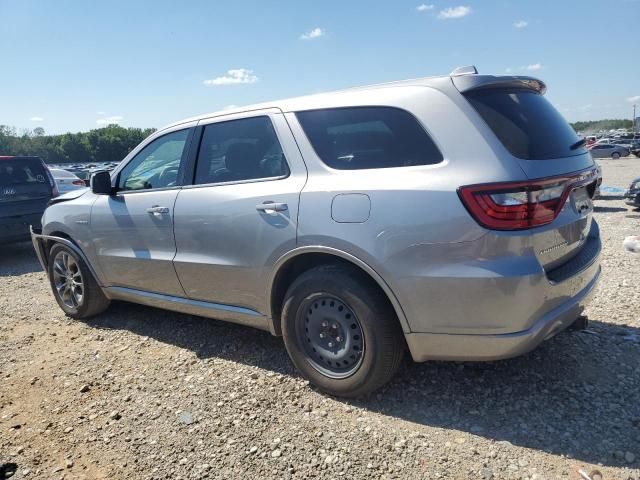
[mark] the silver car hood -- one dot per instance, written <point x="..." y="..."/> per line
<point x="71" y="195"/>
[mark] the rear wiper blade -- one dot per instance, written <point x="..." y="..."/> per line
<point x="578" y="144"/>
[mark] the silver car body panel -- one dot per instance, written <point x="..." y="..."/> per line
<point x="225" y="245"/>
<point x="452" y="283"/>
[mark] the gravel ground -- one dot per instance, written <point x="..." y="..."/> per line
<point x="140" y="393"/>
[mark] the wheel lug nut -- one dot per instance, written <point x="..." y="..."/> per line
<point x="338" y="339"/>
<point x="322" y="335"/>
<point x="325" y="324"/>
<point x="335" y="325"/>
<point x="330" y="344"/>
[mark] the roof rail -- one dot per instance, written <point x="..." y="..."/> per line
<point x="466" y="70"/>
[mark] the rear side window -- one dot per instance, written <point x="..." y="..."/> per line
<point x="240" y="150"/>
<point x="368" y="137"/>
<point x="22" y="171"/>
<point x="526" y="123"/>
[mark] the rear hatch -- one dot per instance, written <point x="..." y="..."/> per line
<point x="25" y="188"/>
<point x="552" y="203"/>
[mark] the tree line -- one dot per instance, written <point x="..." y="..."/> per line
<point x="108" y="144"/>
<point x="598" y="125"/>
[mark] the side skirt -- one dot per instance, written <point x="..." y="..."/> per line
<point x="218" y="311"/>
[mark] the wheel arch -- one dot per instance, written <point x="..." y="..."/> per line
<point x="294" y="263"/>
<point x="47" y="241"/>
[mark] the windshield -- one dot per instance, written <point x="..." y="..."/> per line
<point x="526" y="123"/>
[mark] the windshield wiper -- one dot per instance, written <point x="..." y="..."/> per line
<point x="578" y="144"/>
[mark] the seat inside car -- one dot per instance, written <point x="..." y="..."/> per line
<point x="242" y="162"/>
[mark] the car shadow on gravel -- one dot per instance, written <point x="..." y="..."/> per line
<point x="576" y="395"/>
<point x="18" y="259"/>
<point x="609" y="209"/>
<point x="610" y="197"/>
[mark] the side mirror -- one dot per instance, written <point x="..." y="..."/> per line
<point x="101" y="183"/>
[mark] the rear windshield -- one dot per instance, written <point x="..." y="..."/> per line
<point x="368" y="137"/>
<point x="21" y="171"/>
<point x="526" y="123"/>
<point x="59" y="173"/>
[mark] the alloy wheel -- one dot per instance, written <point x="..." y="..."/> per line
<point x="67" y="279"/>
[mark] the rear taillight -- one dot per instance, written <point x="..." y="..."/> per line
<point x="52" y="182"/>
<point x="521" y="205"/>
<point x="78" y="183"/>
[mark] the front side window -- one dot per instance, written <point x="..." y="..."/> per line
<point x="156" y="165"/>
<point x="368" y="137"/>
<point x="240" y="150"/>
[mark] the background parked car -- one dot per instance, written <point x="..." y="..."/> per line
<point x="66" y="181"/>
<point x="632" y="196"/>
<point x="26" y="186"/>
<point x="608" y="151"/>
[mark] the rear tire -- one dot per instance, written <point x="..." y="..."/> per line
<point x="340" y="331"/>
<point x="73" y="285"/>
<point x="615" y="155"/>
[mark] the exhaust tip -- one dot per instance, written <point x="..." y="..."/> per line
<point x="581" y="323"/>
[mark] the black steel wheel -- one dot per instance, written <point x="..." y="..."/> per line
<point x="341" y="331"/>
<point x="331" y="335"/>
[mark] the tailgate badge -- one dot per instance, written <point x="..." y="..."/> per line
<point x="8" y="191"/>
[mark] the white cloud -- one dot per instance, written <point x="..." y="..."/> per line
<point x="109" y="120"/>
<point x="533" y="67"/>
<point x="101" y="113"/>
<point x="424" y="7"/>
<point x="508" y="70"/>
<point x="229" y="107"/>
<point x="234" y="76"/>
<point x="454" y="12"/>
<point x="311" y="34"/>
<point x="634" y="99"/>
<point x="521" y="24"/>
<point x="36" y="119"/>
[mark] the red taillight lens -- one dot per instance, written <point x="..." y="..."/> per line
<point x="79" y="183"/>
<point x="520" y="205"/>
<point x="52" y="182"/>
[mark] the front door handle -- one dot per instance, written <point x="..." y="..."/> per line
<point x="157" y="209"/>
<point x="271" y="208"/>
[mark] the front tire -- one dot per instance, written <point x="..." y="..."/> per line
<point x="340" y="331"/>
<point x="615" y="155"/>
<point x="73" y="285"/>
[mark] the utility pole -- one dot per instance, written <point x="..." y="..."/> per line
<point x="634" y="120"/>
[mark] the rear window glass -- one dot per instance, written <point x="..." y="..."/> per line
<point x="368" y="137"/>
<point x="20" y="171"/>
<point x="526" y="123"/>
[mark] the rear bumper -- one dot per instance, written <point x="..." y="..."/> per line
<point x="497" y="313"/>
<point x="430" y="346"/>
<point x="16" y="229"/>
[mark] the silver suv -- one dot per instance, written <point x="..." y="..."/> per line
<point x="450" y="216"/>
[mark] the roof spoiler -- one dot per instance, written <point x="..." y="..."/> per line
<point x="466" y="82"/>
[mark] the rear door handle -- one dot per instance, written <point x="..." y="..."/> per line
<point x="157" y="209"/>
<point x="271" y="207"/>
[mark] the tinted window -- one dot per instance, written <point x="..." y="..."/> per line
<point x="21" y="171"/>
<point x="526" y="123"/>
<point x="156" y="165"/>
<point x="368" y="137"/>
<point x="237" y="150"/>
